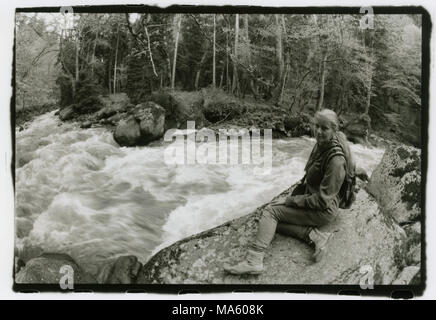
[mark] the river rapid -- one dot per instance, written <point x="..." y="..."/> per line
<point x="79" y="193"/>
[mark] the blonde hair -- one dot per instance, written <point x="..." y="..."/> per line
<point x="329" y="115"/>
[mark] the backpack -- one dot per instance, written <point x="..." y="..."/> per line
<point x="347" y="193"/>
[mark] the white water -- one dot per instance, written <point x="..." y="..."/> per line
<point x="78" y="192"/>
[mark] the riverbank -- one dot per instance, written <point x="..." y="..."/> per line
<point x="23" y="116"/>
<point x="142" y="123"/>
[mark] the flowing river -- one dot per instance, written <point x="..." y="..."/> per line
<point x="79" y="193"/>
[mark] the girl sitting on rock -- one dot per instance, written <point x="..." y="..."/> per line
<point x="314" y="202"/>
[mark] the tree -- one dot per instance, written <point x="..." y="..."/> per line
<point x="235" y="83"/>
<point x="177" y="22"/>
<point x="214" y="50"/>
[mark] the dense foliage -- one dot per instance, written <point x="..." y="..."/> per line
<point x="300" y="63"/>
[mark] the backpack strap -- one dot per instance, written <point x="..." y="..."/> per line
<point x="333" y="152"/>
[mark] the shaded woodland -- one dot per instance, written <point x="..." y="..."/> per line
<point x="291" y="64"/>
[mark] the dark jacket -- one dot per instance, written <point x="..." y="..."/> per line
<point x="325" y="173"/>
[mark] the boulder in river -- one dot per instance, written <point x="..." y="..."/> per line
<point x="128" y="132"/>
<point x="145" y="124"/>
<point x="47" y="268"/>
<point x="151" y="118"/>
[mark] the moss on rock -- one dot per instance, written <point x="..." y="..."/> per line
<point x="396" y="183"/>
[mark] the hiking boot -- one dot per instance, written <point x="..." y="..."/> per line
<point x="253" y="264"/>
<point x="320" y="240"/>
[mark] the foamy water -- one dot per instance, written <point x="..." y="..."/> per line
<point x="78" y="192"/>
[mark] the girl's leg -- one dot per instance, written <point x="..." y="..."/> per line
<point x="302" y="219"/>
<point x="294" y="231"/>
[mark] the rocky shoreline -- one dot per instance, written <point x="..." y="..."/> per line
<point x="147" y="120"/>
<point x="380" y="236"/>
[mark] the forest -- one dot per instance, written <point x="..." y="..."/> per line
<point x="270" y="68"/>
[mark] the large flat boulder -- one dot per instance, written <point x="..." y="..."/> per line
<point x="364" y="240"/>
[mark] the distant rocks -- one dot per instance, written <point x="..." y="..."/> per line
<point x="66" y="113"/>
<point x="106" y="112"/>
<point x="145" y="124"/>
<point x="140" y="124"/>
<point x="357" y="129"/>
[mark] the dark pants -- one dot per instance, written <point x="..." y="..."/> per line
<point x="290" y="221"/>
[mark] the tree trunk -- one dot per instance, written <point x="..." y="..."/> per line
<point x="77" y="58"/>
<point x="169" y="70"/>
<point x="279" y="47"/>
<point x="322" y="81"/>
<point x="235" y="66"/>
<point x="288" y="67"/>
<point x="214" y="53"/>
<point x="368" y="95"/>
<point x="176" y="44"/>
<point x="149" y="51"/>
<point x="109" y="73"/>
<point x="227" y="63"/>
<point x="197" y="76"/>
<point x="116" y="57"/>
<point x="370" y="74"/>
<point x="279" y="59"/>
<point x="93" y="53"/>
<point x="247" y="76"/>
